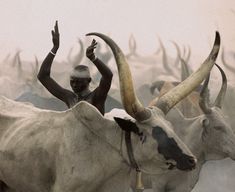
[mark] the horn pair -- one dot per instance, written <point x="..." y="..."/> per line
<point x="129" y="99"/>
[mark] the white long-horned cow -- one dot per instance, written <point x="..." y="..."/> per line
<point x="208" y="136"/>
<point x="80" y="150"/>
<point x="136" y="106"/>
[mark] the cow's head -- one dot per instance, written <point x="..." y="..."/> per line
<point x="218" y="136"/>
<point x="161" y="144"/>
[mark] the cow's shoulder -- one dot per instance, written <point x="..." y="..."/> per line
<point x="89" y="116"/>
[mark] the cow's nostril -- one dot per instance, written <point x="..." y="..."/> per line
<point x="192" y="161"/>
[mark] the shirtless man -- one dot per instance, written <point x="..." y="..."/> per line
<point x="79" y="78"/>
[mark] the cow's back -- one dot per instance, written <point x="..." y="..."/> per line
<point x="29" y="141"/>
<point x="42" y="149"/>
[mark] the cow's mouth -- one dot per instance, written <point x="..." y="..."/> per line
<point x="187" y="164"/>
<point x="171" y="165"/>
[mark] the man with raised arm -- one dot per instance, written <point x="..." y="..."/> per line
<point x="79" y="78"/>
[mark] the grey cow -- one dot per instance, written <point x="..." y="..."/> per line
<point x="208" y="136"/>
<point x="80" y="150"/>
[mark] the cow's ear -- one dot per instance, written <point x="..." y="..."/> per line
<point x="127" y="125"/>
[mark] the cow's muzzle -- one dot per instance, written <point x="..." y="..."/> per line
<point x="187" y="163"/>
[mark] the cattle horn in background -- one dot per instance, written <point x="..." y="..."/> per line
<point x="220" y="98"/>
<point x="172" y="97"/>
<point x="204" y="97"/>
<point x="131" y="103"/>
<point x="204" y="100"/>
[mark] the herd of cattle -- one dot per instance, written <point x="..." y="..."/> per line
<point x="178" y="137"/>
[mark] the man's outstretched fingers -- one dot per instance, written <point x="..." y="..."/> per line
<point x="56" y="27"/>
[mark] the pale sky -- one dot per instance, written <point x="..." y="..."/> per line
<point x="27" y="24"/>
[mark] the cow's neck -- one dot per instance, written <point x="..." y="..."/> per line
<point x="194" y="138"/>
<point x="115" y="136"/>
<point x="106" y="130"/>
<point x="189" y="130"/>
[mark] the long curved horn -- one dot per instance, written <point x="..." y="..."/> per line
<point x="158" y="50"/>
<point x="19" y="65"/>
<point x="132" y="45"/>
<point x="129" y="99"/>
<point x="35" y="68"/>
<point x="164" y="58"/>
<point x="178" y="57"/>
<point x="219" y="99"/>
<point x="15" y="57"/>
<point x="171" y="98"/>
<point x="78" y="58"/>
<point x="204" y="97"/>
<point x="189" y="54"/>
<point x="36" y="65"/>
<point x="184" y="70"/>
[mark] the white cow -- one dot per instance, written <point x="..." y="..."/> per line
<point x="76" y="150"/>
<point x="209" y="137"/>
<point x="80" y="150"/>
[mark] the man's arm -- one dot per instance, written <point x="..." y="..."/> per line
<point x="107" y="75"/>
<point x="45" y="70"/>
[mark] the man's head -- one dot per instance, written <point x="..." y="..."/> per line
<point x="80" y="78"/>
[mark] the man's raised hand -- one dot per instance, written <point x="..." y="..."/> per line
<point x="90" y="50"/>
<point x="56" y="36"/>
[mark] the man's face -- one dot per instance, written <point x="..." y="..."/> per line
<point x="79" y="84"/>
